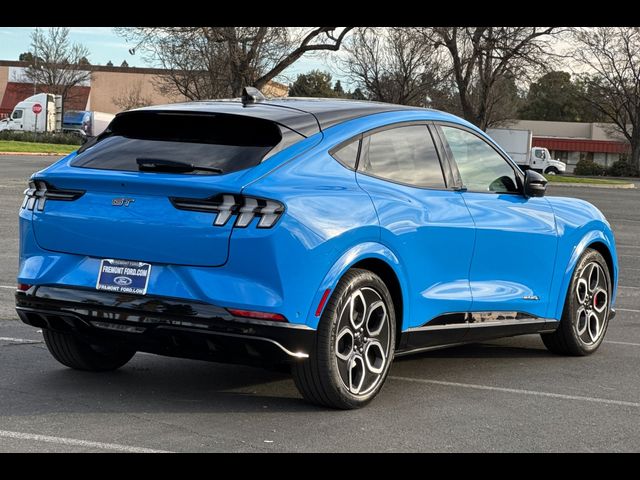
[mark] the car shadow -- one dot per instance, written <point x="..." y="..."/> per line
<point x="154" y="384"/>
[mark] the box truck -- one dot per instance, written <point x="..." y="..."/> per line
<point x="517" y="143"/>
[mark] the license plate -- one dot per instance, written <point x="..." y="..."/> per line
<point x="123" y="276"/>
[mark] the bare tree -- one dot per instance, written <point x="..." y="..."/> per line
<point x="613" y="55"/>
<point x="210" y="62"/>
<point x="56" y="62"/>
<point x="393" y="65"/>
<point x="132" y="97"/>
<point x="483" y="60"/>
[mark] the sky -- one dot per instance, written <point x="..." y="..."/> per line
<point x="105" y="46"/>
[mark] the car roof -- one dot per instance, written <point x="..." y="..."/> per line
<point x="306" y="116"/>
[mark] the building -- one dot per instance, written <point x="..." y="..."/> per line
<point x="106" y="85"/>
<point x="575" y="141"/>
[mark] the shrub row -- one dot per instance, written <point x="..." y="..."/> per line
<point x="45" y="137"/>
<point x="621" y="168"/>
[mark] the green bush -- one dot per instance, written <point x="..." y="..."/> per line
<point x="623" y="168"/>
<point x="45" y="137"/>
<point x="589" y="167"/>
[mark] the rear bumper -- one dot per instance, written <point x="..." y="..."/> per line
<point x="164" y="325"/>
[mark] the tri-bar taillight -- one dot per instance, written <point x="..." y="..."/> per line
<point x="226" y="205"/>
<point x="40" y="191"/>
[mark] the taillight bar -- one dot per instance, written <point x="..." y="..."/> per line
<point x="40" y="191"/>
<point x="226" y="205"/>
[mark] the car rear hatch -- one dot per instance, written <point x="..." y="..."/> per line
<point x="123" y="183"/>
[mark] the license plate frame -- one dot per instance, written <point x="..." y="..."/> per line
<point x="123" y="276"/>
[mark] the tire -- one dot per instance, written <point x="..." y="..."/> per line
<point x="75" y="353"/>
<point x="351" y="359"/>
<point x="552" y="171"/>
<point x="585" y="316"/>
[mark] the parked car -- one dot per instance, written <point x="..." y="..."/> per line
<point x="327" y="235"/>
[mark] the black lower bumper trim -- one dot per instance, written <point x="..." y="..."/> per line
<point x="165" y="326"/>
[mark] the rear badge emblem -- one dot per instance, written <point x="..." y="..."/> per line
<point x="120" y="202"/>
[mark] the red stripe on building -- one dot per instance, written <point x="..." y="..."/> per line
<point x="581" y="145"/>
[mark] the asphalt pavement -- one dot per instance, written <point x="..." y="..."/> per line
<point x="507" y="395"/>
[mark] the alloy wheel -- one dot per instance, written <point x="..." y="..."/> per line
<point x="362" y="341"/>
<point x="593" y="301"/>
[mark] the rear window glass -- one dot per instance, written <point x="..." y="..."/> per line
<point x="216" y="141"/>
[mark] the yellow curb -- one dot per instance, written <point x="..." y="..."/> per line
<point x="592" y="185"/>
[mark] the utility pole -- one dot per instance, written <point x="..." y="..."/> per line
<point x="35" y="68"/>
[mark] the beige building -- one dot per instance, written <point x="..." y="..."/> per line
<point x="100" y="93"/>
<point x="574" y="141"/>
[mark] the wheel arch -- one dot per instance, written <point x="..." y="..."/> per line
<point x="378" y="259"/>
<point x="604" y="244"/>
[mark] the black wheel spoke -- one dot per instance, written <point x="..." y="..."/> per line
<point x="592" y="297"/>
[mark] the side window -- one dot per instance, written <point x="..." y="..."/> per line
<point x="482" y="168"/>
<point x="539" y="153"/>
<point x="17" y="114"/>
<point x="404" y="154"/>
<point x="348" y="154"/>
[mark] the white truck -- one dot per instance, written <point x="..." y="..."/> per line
<point x="24" y="117"/>
<point x="517" y="143"/>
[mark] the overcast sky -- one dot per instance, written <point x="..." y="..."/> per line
<point x="105" y="46"/>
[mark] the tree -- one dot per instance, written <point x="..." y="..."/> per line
<point x="84" y="61"/>
<point x="392" y="65"/>
<point x="124" y="64"/>
<point x="132" y="97"/>
<point x="553" y="97"/>
<point x="357" y="94"/>
<point x="481" y="59"/>
<point x="109" y="63"/>
<point x="613" y="88"/>
<point x="210" y="62"/>
<point x="313" y="84"/>
<point x="26" y="57"/>
<point x="338" y="90"/>
<point x="56" y="65"/>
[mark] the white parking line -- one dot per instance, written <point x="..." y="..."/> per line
<point x="627" y="310"/>
<point x="77" y="443"/>
<point x="627" y="286"/>
<point x="8" y="287"/>
<point x="18" y="340"/>
<point x="622" y="343"/>
<point x="518" y="391"/>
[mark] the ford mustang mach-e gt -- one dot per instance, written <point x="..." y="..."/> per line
<point x="327" y="235"/>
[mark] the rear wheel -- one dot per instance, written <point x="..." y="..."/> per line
<point x="73" y="352"/>
<point x="354" y="346"/>
<point x="586" y="310"/>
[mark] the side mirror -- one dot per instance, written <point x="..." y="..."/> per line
<point x="535" y="185"/>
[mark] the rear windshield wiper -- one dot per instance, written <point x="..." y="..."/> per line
<point x="160" y="165"/>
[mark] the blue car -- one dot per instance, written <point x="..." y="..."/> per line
<point x="327" y="236"/>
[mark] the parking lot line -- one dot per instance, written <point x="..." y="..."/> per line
<point x="627" y="310"/>
<point x="622" y="343"/>
<point x="518" y="391"/>
<point x="8" y="287"/>
<point x="18" y="340"/>
<point x="77" y="443"/>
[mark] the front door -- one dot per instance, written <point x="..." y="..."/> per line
<point x="516" y="239"/>
<point x="423" y="218"/>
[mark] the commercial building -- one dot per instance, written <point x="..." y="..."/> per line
<point x="575" y="141"/>
<point x="101" y="92"/>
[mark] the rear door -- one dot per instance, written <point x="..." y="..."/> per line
<point x="423" y="220"/>
<point x="516" y="239"/>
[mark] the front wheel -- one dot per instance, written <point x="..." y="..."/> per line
<point x="552" y="171"/>
<point x="586" y="310"/>
<point x="354" y="346"/>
